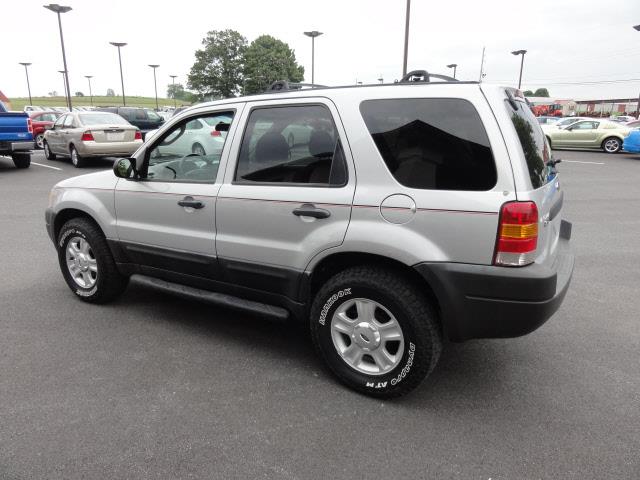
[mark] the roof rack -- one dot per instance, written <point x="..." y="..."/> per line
<point x="424" y="76"/>
<point x="284" y="86"/>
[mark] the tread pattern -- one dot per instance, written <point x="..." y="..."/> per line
<point x="416" y="307"/>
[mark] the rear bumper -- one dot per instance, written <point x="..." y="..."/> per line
<point x="481" y="301"/>
<point x="13" y="147"/>
<point x="93" y="149"/>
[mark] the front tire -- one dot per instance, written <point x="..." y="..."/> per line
<point x="86" y="262"/>
<point x="375" y="331"/>
<point x="21" y="160"/>
<point x="49" y="155"/>
<point x="76" y="159"/>
<point x="612" y="145"/>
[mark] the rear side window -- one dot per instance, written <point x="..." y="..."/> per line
<point x="291" y="145"/>
<point x="432" y="143"/>
<point x="535" y="148"/>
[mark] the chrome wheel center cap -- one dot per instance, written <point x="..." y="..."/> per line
<point x="366" y="336"/>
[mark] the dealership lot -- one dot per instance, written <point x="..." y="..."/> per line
<point x="156" y="387"/>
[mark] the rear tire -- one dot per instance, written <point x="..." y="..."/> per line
<point x="86" y="262"/>
<point x="48" y="154"/>
<point x="375" y="331"/>
<point x="21" y="160"/>
<point x="39" y="141"/>
<point x="76" y="159"/>
<point x="612" y="145"/>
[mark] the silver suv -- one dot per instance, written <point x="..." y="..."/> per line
<point x="385" y="217"/>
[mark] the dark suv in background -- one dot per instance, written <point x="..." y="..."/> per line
<point x="143" y="118"/>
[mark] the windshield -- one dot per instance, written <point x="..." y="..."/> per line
<point x="100" y="118"/>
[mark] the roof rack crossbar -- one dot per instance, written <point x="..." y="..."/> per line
<point x="283" y="86"/>
<point x="424" y="76"/>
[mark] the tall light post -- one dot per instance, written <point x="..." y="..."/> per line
<point x="454" y="66"/>
<point x="54" y="7"/>
<point x="406" y="38"/>
<point x="89" y="77"/>
<point x="120" y="44"/>
<point x="155" y="84"/>
<point x="173" y="82"/>
<point x="516" y="53"/>
<point x="26" y="72"/>
<point x="637" y="27"/>
<point x="313" y="34"/>
<point x="64" y="79"/>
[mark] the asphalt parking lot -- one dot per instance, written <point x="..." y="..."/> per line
<point x="156" y="387"/>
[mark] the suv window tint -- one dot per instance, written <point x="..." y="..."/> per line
<point x="140" y="114"/>
<point x="153" y="116"/>
<point x="183" y="155"/>
<point x="534" y="145"/>
<point x="433" y="144"/>
<point x="291" y="145"/>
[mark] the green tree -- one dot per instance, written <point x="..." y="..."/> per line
<point x="528" y="93"/>
<point x="266" y="60"/>
<point x="176" y="90"/>
<point x="110" y="92"/>
<point x="217" y="71"/>
<point x="79" y="94"/>
<point x="541" y="92"/>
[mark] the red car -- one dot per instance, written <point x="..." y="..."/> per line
<point x="40" y="120"/>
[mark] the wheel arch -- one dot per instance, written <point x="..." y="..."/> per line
<point x="337" y="262"/>
<point x="66" y="214"/>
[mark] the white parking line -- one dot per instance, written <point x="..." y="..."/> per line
<point x="46" y="166"/>
<point x="578" y="161"/>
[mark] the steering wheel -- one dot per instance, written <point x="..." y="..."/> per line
<point x="181" y="163"/>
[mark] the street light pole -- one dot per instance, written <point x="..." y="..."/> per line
<point x="454" y="66"/>
<point x="173" y="82"/>
<point x="120" y="44"/>
<point x="155" y="84"/>
<point x="64" y="79"/>
<point x="54" y="7"/>
<point x="637" y="27"/>
<point x="406" y="39"/>
<point x="313" y="36"/>
<point x="89" y="77"/>
<point x="520" y="52"/>
<point x="25" y="64"/>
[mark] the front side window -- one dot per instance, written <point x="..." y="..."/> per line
<point x="184" y="154"/>
<point x="153" y="116"/>
<point x="585" y="126"/>
<point x="59" y="122"/>
<point x="432" y="143"/>
<point x="291" y="145"/>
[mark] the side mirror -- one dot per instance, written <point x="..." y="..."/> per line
<point x="123" y="167"/>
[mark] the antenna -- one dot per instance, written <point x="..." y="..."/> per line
<point x="482" y="74"/>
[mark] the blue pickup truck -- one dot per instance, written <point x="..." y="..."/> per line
<point x="16" y="136"/>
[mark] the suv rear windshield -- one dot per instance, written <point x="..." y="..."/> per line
<point x="432" y="143"/>
<point x="534" y="146"/>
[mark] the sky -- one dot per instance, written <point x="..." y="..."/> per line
<point x="573" y="46"/>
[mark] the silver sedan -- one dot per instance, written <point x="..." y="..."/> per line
<point x="80" y="135"/>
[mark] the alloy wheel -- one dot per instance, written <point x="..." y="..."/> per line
<point x="81" y="262"/>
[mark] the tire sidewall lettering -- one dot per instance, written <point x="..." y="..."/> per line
<point x="66" y="234"/>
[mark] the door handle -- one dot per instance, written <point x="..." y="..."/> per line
<point x="310" y="210"/>
<point x="189" y="202"/>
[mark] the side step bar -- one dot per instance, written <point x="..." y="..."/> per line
<point x="220" y="299"/>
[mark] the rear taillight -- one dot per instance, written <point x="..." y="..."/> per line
<point x="138" y="135"/>
<point x="30" y="126"/>
<point x="87" y="137"/>
<point x="215" y="133"/>
<point x="517" y="234"/>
